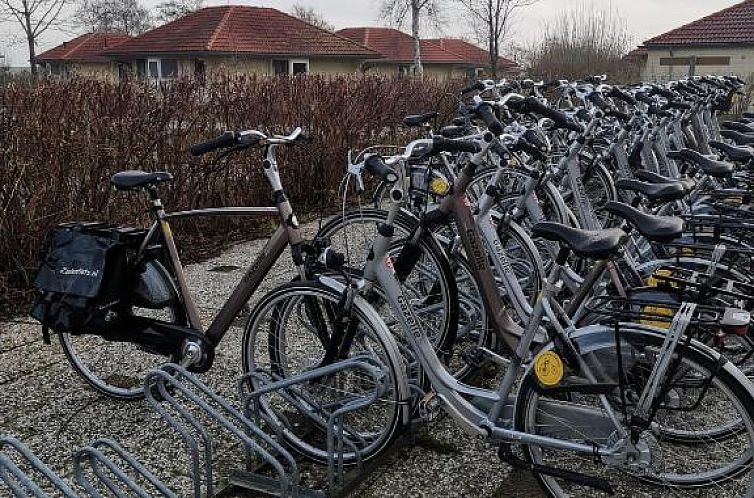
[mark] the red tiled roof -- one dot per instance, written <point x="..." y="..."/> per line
<point x="471" y="53"/>
<point x="245" y="30"/>
<point x="732" y="25"/>
<point x="397" y="46"/>
<point x="85" y="48"/>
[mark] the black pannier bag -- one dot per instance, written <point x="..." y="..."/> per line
<point x="85" y="277"/>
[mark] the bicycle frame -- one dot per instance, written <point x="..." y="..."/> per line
<point x="288" y="232"/>
<point x="455" y="394"/>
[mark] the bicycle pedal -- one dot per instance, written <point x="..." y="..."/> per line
<point x="429" y="407"/>
<point x="506" y="455"/>
<point x="473" y="357"/>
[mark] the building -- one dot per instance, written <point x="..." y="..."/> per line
<point x="477" y="56"/>
<point x="83" y="56"/>
<point x="721" y="43"/>
<point x="441" y="58"/>
<point x="238" y="39"/>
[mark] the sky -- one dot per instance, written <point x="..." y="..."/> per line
<point x="644" y="18"/>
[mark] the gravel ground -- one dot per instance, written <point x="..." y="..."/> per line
<point x="44" y="403"/>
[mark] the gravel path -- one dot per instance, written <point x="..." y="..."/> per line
<point x="44" y="403"/>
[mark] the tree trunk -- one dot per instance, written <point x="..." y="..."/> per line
<point x="415" y="14"/>
<point x="29" y="31"/>
<point x="491" y="38"/>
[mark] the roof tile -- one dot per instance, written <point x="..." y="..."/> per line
<point x="244" y="30"/>
<point x="397" y="46"/>
<point x="85" y="48"/>
<point x="732" y="25"/>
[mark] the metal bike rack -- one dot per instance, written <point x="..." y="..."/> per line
<point x="172" y="388"/>
<point x="190" y="407"/>
<point x="22" y="483"/>
<point x="112" y="476"/>
<point x="340" y="437"/>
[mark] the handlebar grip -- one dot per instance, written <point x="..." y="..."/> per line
<point x="656" y="90"/>
<point x="442" y="144"/>
<point x="619" y="94"/>
<point x="618" y="114"/>
<point x="477" y="86"/>
<point x="683" y="106"/>
<point x="376" y="166"/>
<point x="532" y="104"/>
<point x="643" y="97"/>
<point x="227" y="139"/>
<point x="598" y="100"/>
<point x="486" y="114"/>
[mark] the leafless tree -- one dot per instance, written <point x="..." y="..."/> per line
<point x="398" y="11"/>
<point x="35" y="18"/>
<point x="311" y="16"/>
<point x="128" y="16"/>
<point x="582" y="42"/>
<point x="171" y="10"/>
<point x="491" y="21"/>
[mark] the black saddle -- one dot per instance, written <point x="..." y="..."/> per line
<point x="595" y="244"/>
<point x="654" y="228"/>
<point x="655" y="192"/>
<point x="711" y="167"/>
<point x="748" y="114"/>
<point x="419" y="119"/>
<point x="737" y="126"/>
<point x="738" y="137"/>
<point x="452" y="131"/>
<point x="739" y="154"/>
<point x="129" y="180"/>
<point x="651" y="177"/>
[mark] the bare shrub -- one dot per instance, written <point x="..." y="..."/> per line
<point x="62" y="140"/>
<point x="581" y="42"/>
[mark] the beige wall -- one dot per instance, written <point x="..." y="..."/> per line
<point x="103" y="71"/>
<point x="437" y="71"/>
<point x="245" y="65"/>
<point x="741" y="62"/>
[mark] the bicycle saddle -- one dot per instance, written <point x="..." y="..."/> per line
<point x="129" y="180"/>
<point x="654" y="228"/>
<point x="452" y="131"/>
<point x="595" y="244"/>
<point x="735" y="153"/>
<point x="419" y="119"/>
<point x="737" y="126"/>
<point x="651" y="177"/>
<point x="655" y="192"/>
<point x="711" y="167"/>
<point x="738" y="137"/>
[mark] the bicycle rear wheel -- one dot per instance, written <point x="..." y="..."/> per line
<point x="288" y="333"/>
<point x="656" y="464"/>
<point x="118" y="369"/>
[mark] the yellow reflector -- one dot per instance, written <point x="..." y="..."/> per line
<point x="439" y="186"/>
<point x="548" y="367"/>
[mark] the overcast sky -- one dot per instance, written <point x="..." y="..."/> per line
<point x="645" y="18"/>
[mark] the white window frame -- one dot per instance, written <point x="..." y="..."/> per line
<point x="159" y="68"/>
<point x="291" y="62"/>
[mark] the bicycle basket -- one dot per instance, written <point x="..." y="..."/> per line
<point x="84" y="276"/>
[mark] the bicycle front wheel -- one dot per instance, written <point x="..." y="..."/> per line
<point x="288" y="333"/>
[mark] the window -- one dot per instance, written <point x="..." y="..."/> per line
<point x="281" y="67"/>
<point x="162" y="69"/>
<point x="200" y="71"/>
